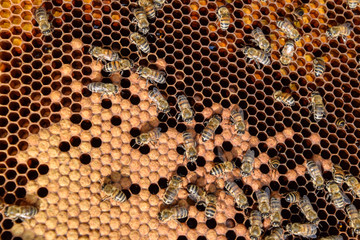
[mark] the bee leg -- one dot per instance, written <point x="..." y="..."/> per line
<point x="105" y="198"/>
<point x="257" y="64"/>
<point x="344" y="39"/>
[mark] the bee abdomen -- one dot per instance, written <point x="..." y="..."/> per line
<point x="181" y="213"/>
<point x="210" y="210"/>
<point x="319" y="68"/>
<point x="169" y="196"/>
<point x="120" y="196"/>
<point x="292" y="197"/>
<point x="96" y="87"/>
<point x="217" y="169"/>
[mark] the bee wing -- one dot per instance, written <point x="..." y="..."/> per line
<point x="318" y="163"/>
<point x="156" y="91"/>
<point x="305" y="199"/>
<point x="267" y="190"/>
<point x="241" y="113"/>
<point x="345" y="198"/>
<point x="195" y="198"/>
<point x="221" y="154"/>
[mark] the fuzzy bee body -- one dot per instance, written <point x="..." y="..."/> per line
<point x="113" y="192"/>
<point x="148" y="7"/>
<point x="237" y="193"/>
<point x="299" y="12"/>
<point x="222" y="168"/>
<point x="353" y="3"/>
<point x="148" y="137"/>
<point x="316" y="174"/>
<point x="287" y="52"/>
<point x="158" y="4"/>
<point x="159" y="100"/>
<point x="302" y="229"/>
<point x="210" y="209"/>
<point x="247" y="163"/>
<point x="103" y="88"/>
<point x="274" y="162"/>
<point x="224" y="17"/>
<point x="209" y="130"/>
<point x="102" y="54"/>
<point x="354" y="217"/>
<point x="151" y="75"/>
<point x="338" y="173"/>
<point x="263" y="199"/>
<point x="172" y="213"/>
<point x="342" y="31"/>
<point x="23" y="212"/>
<point x="340" y="122"/>
<point x="118" y="66"/>
<point x="318" y="107"/>
<point x="319" y="66"/>
<point x="288" y="28"/>
<point x="353" y="184"/>
<point x="308" y="210"/>
<point x="197" y="194"/>
<point x="276" y="234"/>
<point x="257" y="55"/>
<point x="284" y="97"/>
<point x="334" y="237"/>
<point x="186" y="112"/>
<point x="172" y="189"/>
<point x="141" y="19"/>
<point x="189" y="146"/>
<point x="255" y="225"/>
<point x="237" y="119"/>
<point x="140" y="42"/>
<point x="293" y="197"/>
<point x="260" y="40"/>
<point x="275" y="212"/>
<point x="42" y="18"/>
<point x="339" y="199"/>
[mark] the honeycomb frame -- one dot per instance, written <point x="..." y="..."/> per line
<point x="58" y="140"/>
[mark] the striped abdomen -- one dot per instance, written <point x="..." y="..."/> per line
<point x="210" y="209"/>
<point x="262" y="57"/>
<point x="275" y="212"/>
<point x="118" y="195"/>
<point x="22" y="212"/>
<point x="237" y="193"/>
<point x="210" y="128"/>
<point x="224" y="17"/>
<point x="222" y="168"/>
<point x="319" y="67"/>
<point x="293" y="197"/>
<point x="114" y="66"/>
<point x="170" y="195"/>
<point x="339" y="174"/>
<point x="353" y="3"/>
<point x="179" y="212"/>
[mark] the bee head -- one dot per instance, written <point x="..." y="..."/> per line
<point x="253" y="238"/>
<point x="139" y="69"/>
<point x="47" y="32"/>
<point x="285" y="60"/>
<point x="134" y="36"/>
<point x="160" y="216"/>
<point x="222" y="10"/>
<point x="357" y="231"/>
<point x="193" y="158"/>
<point x="240" y="132"/>
<point x="315" y="93"/>
<point x="116" y="90"/>
<point x="329" y="33"/>
<point x="218" y="117"/>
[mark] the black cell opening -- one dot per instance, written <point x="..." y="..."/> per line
<point x="96" y="142"/>
<point x="182" y="171"/>
<point x="153" y="188"/>
<point x="64" y="146"/>
<point x="135" y="188"/>
<point x="144" y="149"/>
<point x="192" y="223"/>
<point x="211" y="223"/>
<point x="115" y="120"/>
<point x="85" y="158"/>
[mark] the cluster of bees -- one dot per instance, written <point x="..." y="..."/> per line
<point x="267" y="206"/>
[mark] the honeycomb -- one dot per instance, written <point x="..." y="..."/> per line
<point x="58" y="140"/>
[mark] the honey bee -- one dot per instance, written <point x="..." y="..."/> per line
<point x="190" y="147"/>
<point x="333" y="237"/>
<point x="353" y="184"/>
<point x="22" y="212"/>
<point x="224" y="167"/>
<point x="308" y="210"/>
<point x="247" y="164"/>
<point x="112" y="192"/>
<point x="339" y="174"/>
<point x="173" y="213"/>
<point x="255" y="225"/>
<point x="342" y="31"/>
<point x="260" y="40"/>
<point x="275" y="212"/>
<point x="151" y="75"/>
<point x="158" y="4"/>
<point x="274" y="163"/>
<point x="102" y="54"/>
<point x="42" y="18"/>
<point x="354" y="217"/>
<point x="140" y="42"/>
<point x="299" y="12"/>
<point x="237" y="193"/>
<point x="288" y="28"/>
<point x="319" y="66"/>
<point x="353" y="3"/>
<point x="120" y="65"/>
<point x="340" y="122"/>
<point x="187" y="113"/>
<point x="314" y="169"/>
<point x="172" y="189"/>
<point x="159" y="100"/>
<point x="197" y="194"/>
<point x="210" y="209"/>
<point x="224" y="17"/>
<point x="257" y="55"/>
<point x="148" y="137"/>
<point x="287" y="52"/>
<point x="103" y="88"/>
<point x="284" y="97"/>
<point x="318" y="107"/>
<point x="210" y="128"/>
<point x="293" y="197"/>
<point x="263" y="199"/>
<point x="237" y="119"/>
<point x="141" y="19"/>
<point x="340" y="200"/>
<point x="276" y="234"/>
<point x="148" y="7"/>
<point x="302" y="229"/>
